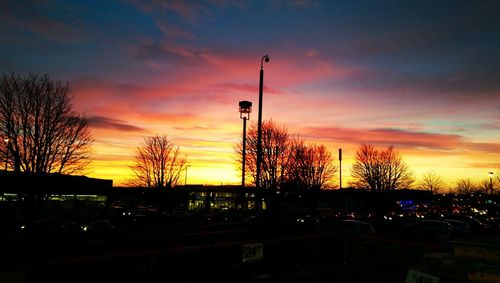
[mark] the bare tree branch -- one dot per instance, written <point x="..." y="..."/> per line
<point x="158" y="163"/>
<point x="465" y="186"/>
<point x="432" y="182"/>
<point x="45" y="135"/>
<point x="287" y="160"/>
<point x="380" y="170"/>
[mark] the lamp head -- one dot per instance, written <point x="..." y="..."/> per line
<point x="264" y="58"/>
<point x="245" y="109"/>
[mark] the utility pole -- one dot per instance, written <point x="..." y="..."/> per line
<point x="340" y="167"/>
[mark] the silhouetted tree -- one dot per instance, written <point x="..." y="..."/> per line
<point x="484" y="186"/>
<point x="275" y="154"/>
<point x="496" y="180"/>
<point x="286" y="159"/>
<point x="380" y="170"/>
<point x="158" y="163"/>
<point x="465" y="186"/>
<point x="43" y="133"/>
<point x="311" y="166"/>
<point x="432" y="182"/>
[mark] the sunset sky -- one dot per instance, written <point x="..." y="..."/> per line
<point x="423" y="76"/>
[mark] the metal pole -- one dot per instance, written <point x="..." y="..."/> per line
<point x="244" y="152"/>
<point x="491" y="183"/>
<point x="259" y="133"/>
<point x="340" y="163"/>
<point x="259" y="129"/>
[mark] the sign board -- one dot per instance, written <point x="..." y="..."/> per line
<point x="252" y="252"/>
<point x="415" y="276"/>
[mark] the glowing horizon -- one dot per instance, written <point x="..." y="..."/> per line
<point x="422" y="77"/>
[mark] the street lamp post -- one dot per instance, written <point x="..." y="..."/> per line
<point x="6" y="140"/>
<point x="245" y="110"/>
<point x="259" y="126"/>
<point x="340" y="164"/>
<point x="491" y="182"/>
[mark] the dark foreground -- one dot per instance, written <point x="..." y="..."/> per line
<point x="278" y="251"/>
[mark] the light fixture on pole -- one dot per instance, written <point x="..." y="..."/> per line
<point x="259" y="125"/>
<point x="245" y="110"/>
<point x="491" y="182"/>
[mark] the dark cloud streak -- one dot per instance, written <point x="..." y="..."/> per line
<point x="108" y="123"/>
<point x="44" y="18"/>
<point x="228" y="87"/>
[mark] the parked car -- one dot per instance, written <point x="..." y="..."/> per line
<point x="49" y="226"/>
<point x="476" y="226"/>
<point x="429" y="229"/>
<point x="493" y="222"/>
<point x="348" y="227"/>
<point x="98" y="227"/>
<point x="460" y="228"/>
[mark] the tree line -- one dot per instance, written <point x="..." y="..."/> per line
<point x="288" y="162"/>
<point x="43" y="134"/>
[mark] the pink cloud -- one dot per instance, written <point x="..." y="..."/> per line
<point x="386" y="137"/>
<point x="284" y="71"/>
<point x="97" y="91"/>
<point x="491" y="148"/>
<point x="311" y="53"/>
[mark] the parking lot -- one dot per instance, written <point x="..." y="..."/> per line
<point x="190" y="248"/>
